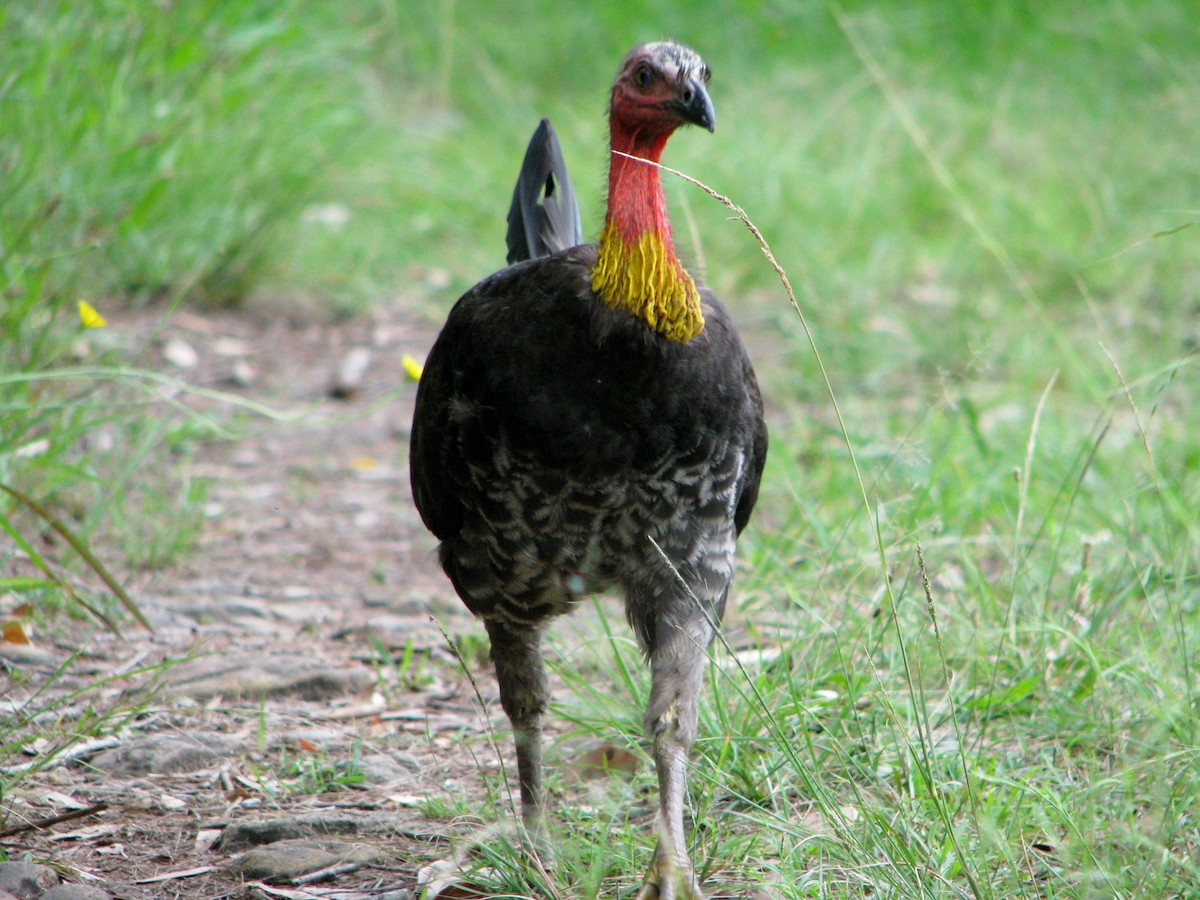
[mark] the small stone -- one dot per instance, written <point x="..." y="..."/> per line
<point x="245" y="457"/>
<point x="205" y="839"/>
<point x="230" y="346"/>
<point x="76" y="892"/>
<point x="252" y="675"/>
<point x="244" y="835"/>
<point x="351" y="373"/>
<point x="171" y="803"/>
<point x="165" y="754"/>
<point x="243" y="374"/>
<point x="380" y="769"/>
<point x="26" y="881"/>
<point x="180" y="353"/>
<point x="288" y="860"/>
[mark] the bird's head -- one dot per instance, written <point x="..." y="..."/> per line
<point x="659" y="87"/>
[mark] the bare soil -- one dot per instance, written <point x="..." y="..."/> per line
<point x="303" y="634"/>
<point x="310" y="665"/>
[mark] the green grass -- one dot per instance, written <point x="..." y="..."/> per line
<point x="149" y="154"/>
<point x="989" y="213"/>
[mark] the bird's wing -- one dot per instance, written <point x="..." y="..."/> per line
<point x="758" y="455"/>
<point x="433" y="466"/>
<point x="543" y="217"/>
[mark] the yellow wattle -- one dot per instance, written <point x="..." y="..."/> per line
<point x="645" y="278"/>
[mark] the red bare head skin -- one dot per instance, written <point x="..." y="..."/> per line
<point x="659" y="87"/>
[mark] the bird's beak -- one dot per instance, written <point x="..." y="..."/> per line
<point x="693" y="104"/>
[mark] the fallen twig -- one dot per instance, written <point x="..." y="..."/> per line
<point x="328" y="872"/>
<point x="61" y="757"/>
<point x="42" y="824"/>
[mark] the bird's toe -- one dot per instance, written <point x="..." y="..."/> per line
<point x="665" y="882"/>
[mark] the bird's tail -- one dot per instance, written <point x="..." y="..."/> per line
<point x="543" y="218"/>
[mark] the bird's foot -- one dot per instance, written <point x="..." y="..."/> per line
<point x="669" y="880"/>
<point x="537" y="842"/>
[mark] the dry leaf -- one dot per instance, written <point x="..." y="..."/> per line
<point x="607" y="759"/>
<point x="444" y="880"/>
<point x="205" y="838"/>
<point x="60" y="799"/>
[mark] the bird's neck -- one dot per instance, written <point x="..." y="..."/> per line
<point x="636" y="266"/>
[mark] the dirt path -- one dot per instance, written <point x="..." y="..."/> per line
<point x="310" y="657"/>
<point x="300" y="724"/>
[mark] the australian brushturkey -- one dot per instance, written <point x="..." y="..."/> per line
<point x="589" y="420"/>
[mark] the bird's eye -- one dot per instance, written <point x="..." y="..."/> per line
<point x="642" y="76"/>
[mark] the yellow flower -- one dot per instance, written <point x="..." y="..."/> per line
<point x="412" y="368"/>
<point x="364" y="464"/>
<point x="89" y="317"/>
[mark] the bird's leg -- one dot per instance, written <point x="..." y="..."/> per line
<point x="677" y="676"/>
<point x="670" y="876"/>
<point x="516" y="653"/>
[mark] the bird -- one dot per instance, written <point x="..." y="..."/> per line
<point x="589" y="421"/>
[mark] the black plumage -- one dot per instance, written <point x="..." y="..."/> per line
<point x="543" y="217"/>
<point x="561" y="445"/>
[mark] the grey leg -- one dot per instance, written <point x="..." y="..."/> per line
<point x="517" y="656"/>
<point x="677" y="677"/>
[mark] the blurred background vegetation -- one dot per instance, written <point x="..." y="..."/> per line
<point x="989" y="211"/>
<point x="158" y="148"/>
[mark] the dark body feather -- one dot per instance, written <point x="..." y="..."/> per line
<point x="563" y="443"/>
<point x="554" y="437"/>
<point x="543" y="217"/>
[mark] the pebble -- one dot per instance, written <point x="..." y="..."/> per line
<point x="26" y="881"/>
<point x="166" y="754"/>
<point x="288" y="860"/>
<point x="180" y="353"/>
<point x="243" y="835"/>
<point x="254" y="676"/>
<point x="76" y="892"/>
<point x="379" y="769"/>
